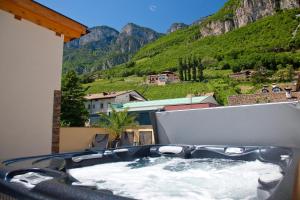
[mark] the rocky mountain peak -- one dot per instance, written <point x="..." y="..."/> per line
<point x="130" y="28"/>
<point x="133" y="37"/>
<point x="107" y="46"/>
<point x="176" y="26"/>
<point x="243" y="13"/>
<point x="104" y="34"/>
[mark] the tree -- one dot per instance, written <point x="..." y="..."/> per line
<point x="130" y="64"/>
<point x="73" y="111"/>
<point x="259" y="76"/>
<point x="194" y="69"/>
<point x="86" y="78"/>
<point x="180" y="69"/>
<point x="291" y="72"/>
<point x="200" y="70"/>
<point x="189" y="67"/>
<point x="117" y="122"/>
<point x="284" y="74"/>
<point x="236" y="68"/>
<point x="185" y="66"/>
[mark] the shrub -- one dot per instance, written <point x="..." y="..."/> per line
<point x="284" y="74"/>
<point x="236" y="68"/>
<point x="258" y="77"/>
<point x="225" y="66"/>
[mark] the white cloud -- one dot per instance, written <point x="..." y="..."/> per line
<point x="152" y="8"/>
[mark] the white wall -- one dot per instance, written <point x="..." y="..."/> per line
<point x="30" y="71"/>
<point x="273" y="124"/>
<point x="96" y="103"/>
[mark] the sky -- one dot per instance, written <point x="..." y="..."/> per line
<point x="155" y="14"/>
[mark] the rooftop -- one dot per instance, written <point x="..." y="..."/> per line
<point x="159" y="104"/>
<point x="44" y="16"/>
<point x="105" y="95"/>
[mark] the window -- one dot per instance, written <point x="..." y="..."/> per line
<point x="276" y="89"/>
<point x="162" y="78"/>
<point x="93" y="106"/>
<point x="89" y="106"/>
<point x="264" y="90"/>
<point x="101" y="105"/>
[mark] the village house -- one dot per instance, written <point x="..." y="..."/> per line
<point x="163" y="78"/>
<point x="269" y="94"/>
<point x="144" y="109"/>
<point x="100" y="102"/>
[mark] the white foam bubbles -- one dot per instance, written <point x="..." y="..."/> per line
<point x="176" y="178"/>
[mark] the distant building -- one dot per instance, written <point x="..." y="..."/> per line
<point x="100" y="103"/>
<point x="163" y="78"/>
<point x="275" y="93"/>
<point x="242" y="75"/>
<point x="143" y="109"/>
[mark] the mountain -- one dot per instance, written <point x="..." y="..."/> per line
<point x="243" y="34"/>
<point x="105" y="47"/>
<point x="99" y="37"/>
<point x="239" y="13"/>
<point x="200" y="20"/>
<point x="176" y="26"/>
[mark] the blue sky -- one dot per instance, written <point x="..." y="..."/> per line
<point x="155" y="14"/>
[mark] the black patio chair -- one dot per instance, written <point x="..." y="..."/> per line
<point x="127" y="139"/>
<point x="100" y="141"/>
<point x="145" y="137"/>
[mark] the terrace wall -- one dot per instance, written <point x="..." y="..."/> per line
<point x="79" y="138"/>
<point x="244" y="99"/>
<point x="272" y="124"/>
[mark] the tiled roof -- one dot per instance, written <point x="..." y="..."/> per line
<point x="105" y="95"/>
<point x="166" y="102"/>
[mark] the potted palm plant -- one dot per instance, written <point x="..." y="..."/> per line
<point x="117" y="122"/>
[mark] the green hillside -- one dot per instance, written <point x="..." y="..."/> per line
<point x="266" y="42"/>
<point x="271" y="43"/>
<point x="217" y="81"/>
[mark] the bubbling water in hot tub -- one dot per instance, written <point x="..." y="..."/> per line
<point x="177" y="178"/>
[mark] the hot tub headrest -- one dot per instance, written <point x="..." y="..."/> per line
<point x="170" y="149"/>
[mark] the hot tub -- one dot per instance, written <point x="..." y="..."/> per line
<point x="154" y="172"/>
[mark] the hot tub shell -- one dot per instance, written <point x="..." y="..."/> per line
<point x="61" y="184"/>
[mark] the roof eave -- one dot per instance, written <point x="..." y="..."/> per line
<point x="46" y="17"/>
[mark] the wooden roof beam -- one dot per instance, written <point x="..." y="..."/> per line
<point x="45" y="17"/>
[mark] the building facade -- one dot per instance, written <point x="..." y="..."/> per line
<point x="143" y="110"/>
<point x="101" y="102"/>
<point x="163" y="78"/>
<point x="31" y="52"/>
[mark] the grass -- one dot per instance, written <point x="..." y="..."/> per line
<point x="267" y="42"/>
<point x="216" y="81"/>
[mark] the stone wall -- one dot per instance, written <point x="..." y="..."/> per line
<point x="244" y="99"/>
<point x="56" y="121"/>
